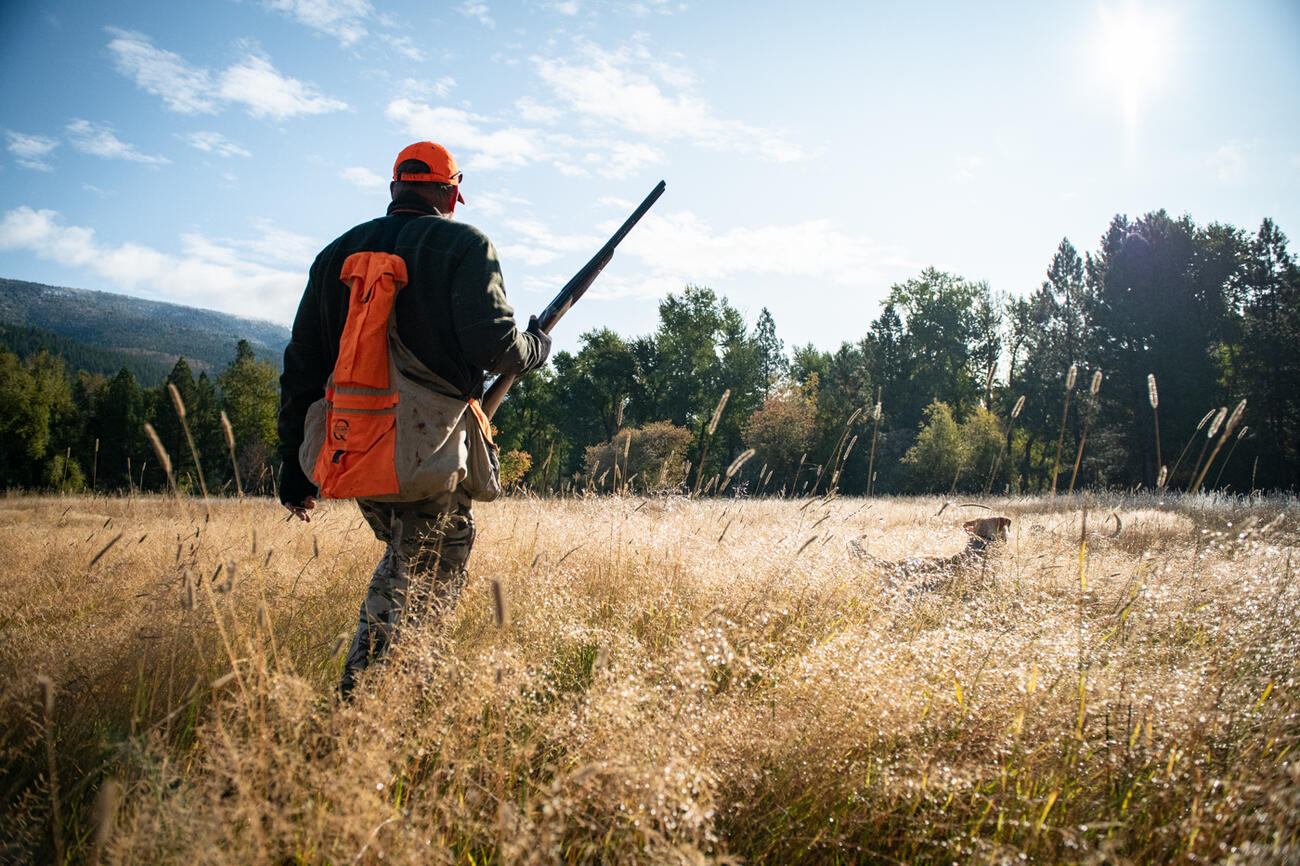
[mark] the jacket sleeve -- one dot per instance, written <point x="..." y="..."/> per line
<point x="301" y="384"/>
<point x="484" y="322"/>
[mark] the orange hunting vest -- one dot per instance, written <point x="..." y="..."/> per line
<point x="387" y="427"/>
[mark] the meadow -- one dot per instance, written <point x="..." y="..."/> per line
<point x="655" y="680"/>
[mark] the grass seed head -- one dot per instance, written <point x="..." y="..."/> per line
<point x="740" y="461"/>
<point x="158" y="449"/>
<point x="1235" y="418"/>
<point x="717" y="412"/>
<point x="176" y="400"/>
<point x="1217" y="423"/>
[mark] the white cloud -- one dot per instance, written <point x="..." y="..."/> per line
<point x="683" y="245"/>
<point x="363" y="177"/>
<point x="624" y="159"/>
<point x="253" y="82"/>
<point x="652" y="7"/>
<point x="217" y="275"/>
<point x="459" y="130"/>
<point x="342" y="19"/>
<point x="629" y="103"/>
<point x="183" y="87"/>
<point x="259" y="86"/>
<point x="30" y="150"/>
<point x="535" y="112"/>
<point x="99" y="140"/>
<point x="527" y="255"/>
<point x="625" y="90"/>
<point x="675" y="249"/>
<point x="1229" y="161"/>
<point x="966" y="168"/>
<point x="463" y="133"/>
<point x="496" y="203"/>
<point x="642" y="288"/>
<point x="478" y="11"/>
<point x="270" y="243"/>
<point x="214" y="142"/>
<point x="405" y="46"/>
<point x="539" y="234"/>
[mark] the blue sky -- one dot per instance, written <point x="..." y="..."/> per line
<point x="815" y="153"/>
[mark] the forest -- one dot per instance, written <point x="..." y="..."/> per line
<point x="1169" y="357"/>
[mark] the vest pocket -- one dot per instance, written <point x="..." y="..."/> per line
<point x="356" y="458"/>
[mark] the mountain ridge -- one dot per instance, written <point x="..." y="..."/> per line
<point x="158" y="330"/>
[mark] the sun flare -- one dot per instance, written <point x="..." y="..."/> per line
<point x="1131" y="56"/>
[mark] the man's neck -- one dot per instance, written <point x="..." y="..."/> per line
<point x="413" y="204"/>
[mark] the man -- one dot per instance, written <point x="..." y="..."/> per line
<point x="453" y="316"/>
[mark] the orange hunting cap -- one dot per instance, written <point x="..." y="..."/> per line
<point x="441" y="164"/>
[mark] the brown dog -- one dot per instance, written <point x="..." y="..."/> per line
<point x="931" y="573"/>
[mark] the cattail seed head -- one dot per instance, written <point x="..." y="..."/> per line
<point x="1208" y="416"/>
<point x="1020" y="404"/>
<point x="1153" y="396"/>
<point x="176" y="400"/>
<point x="1217" y="422"/>
<point x="876" y="415"/>
<point x="1096" y="383"/>
<point x="1242" y="432"/>
<point x="1164" y="476"/>
<point x="1071" y="376"/>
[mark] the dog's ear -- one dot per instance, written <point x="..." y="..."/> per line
<point x="1004" y="524"/>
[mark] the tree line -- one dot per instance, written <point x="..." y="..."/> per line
<point x="1127" y="367"/>
<point x="1119" y="362"/>
<point x="76" y="431"/>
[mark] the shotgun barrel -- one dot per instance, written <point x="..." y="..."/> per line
<point x="572" y="292"/>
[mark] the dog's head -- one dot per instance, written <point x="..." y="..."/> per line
<point x="988" y="529"/>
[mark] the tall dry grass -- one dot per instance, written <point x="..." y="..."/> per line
<point x="669" y="681"/>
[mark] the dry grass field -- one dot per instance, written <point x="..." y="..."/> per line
<point x="675" y="682"/>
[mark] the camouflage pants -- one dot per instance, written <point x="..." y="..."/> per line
<point x="419" y="578"/>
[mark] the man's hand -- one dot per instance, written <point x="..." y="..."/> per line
<point x="297" y="493"/>
<point x="301" y="510"/>
<point x="543" y="340"/>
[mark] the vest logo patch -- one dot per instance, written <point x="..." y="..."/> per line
<point x="340" y="430"/>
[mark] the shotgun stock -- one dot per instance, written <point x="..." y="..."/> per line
<point x="572" y="292"/>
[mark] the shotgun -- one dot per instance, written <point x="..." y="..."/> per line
<point x="573" y="290"/>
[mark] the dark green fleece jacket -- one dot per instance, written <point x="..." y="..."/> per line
<point x="452" y="314"/>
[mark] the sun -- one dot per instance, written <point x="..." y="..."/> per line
<point x="1132" y="53"/>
